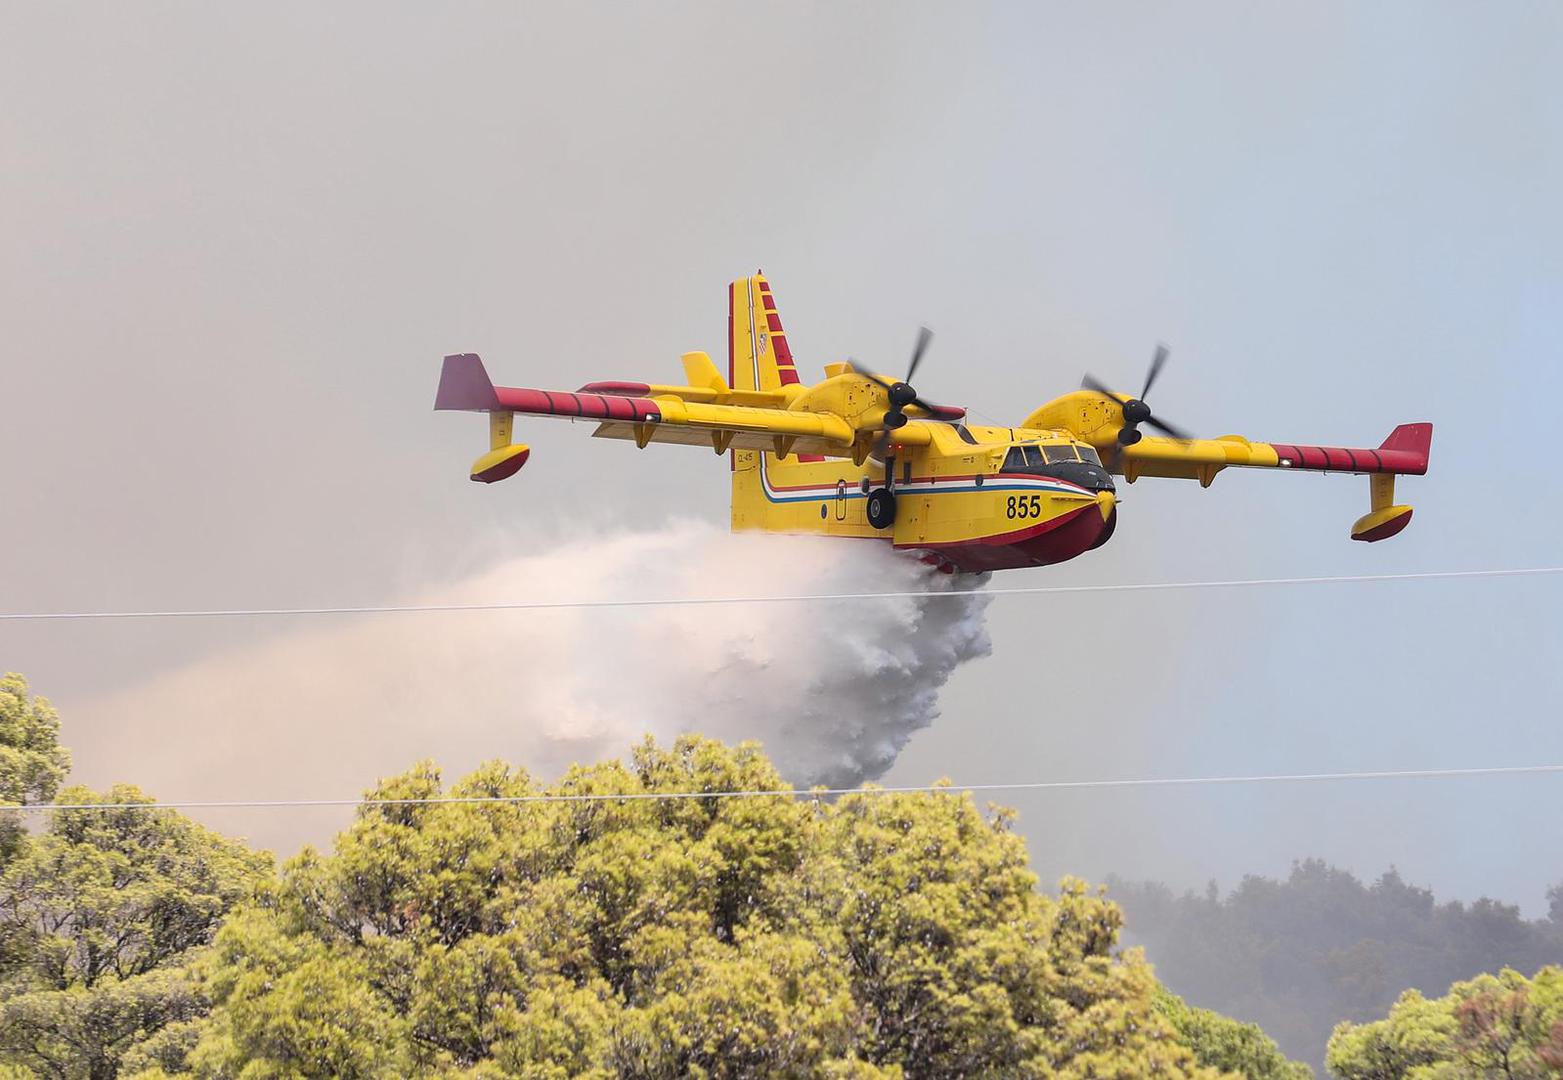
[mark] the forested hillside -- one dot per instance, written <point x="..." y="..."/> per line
<point x="1299" y="955"/>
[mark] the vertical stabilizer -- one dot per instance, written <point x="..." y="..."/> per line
<point x="758" y="357"/>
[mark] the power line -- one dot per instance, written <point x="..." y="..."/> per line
<point x="811" y="793"/>
<point x="681" y="601"/>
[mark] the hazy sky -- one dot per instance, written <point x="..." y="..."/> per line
<point x="236" y="242"/>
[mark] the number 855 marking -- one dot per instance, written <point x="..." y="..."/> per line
<point x="1023" y="506"/>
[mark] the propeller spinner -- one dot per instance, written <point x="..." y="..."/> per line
<point x="1135" y="410"/>
<point x="902" y="394"/>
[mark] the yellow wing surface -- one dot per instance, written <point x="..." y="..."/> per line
<point x="797" y="420"/>
<point x="1097" y="418"/>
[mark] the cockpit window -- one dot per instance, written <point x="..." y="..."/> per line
<point x="1088" y="453"/>
<point x="1015" y="460"/>
<point x="1033" y="456"/>
<point x="1060" y="452"/>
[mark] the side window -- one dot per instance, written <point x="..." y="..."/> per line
<point x="1015" y="460"/>
<point x="1062" y="452"/>
<point x="1088" y="453"/>
<point x="1033" y="456"/>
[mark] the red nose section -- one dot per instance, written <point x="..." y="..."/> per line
<point x="1054" y="541"/>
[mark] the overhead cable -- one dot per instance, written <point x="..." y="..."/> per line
<point x="684" y="601"/>
<point x="809" y="793"/>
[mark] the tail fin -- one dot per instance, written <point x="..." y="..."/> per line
<point x="1413" y="440"/>
<point x="758" y="358"/>
<point x="757" y="354"/>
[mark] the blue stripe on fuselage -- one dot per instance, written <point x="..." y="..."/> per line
<point x="856" y="491"/>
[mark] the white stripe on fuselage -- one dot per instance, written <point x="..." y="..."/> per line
<point x="920" y="487"/>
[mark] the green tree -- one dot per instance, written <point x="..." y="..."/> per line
<point x="1229" y="1045"/>
<point x="1502" y="1025"/>
<point x="33" y="764"/>
<point x="96" y="914"/>
<point x="877" y="936"/>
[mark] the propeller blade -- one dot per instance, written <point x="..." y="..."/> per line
<point x="1168" y="429"/>
<point x="927" y="407"/>
<point x="924" y="336"/>
<point x="1156" y="363"/>
<point x="880" y="379"/>
<point x="1090" y="383"/>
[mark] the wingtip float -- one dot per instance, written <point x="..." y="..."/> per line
<point x="862" y="455"/>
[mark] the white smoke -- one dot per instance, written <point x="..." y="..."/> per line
<point x="833" y="689"/>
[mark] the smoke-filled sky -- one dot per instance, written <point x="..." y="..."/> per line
<point x="236" y="241"/>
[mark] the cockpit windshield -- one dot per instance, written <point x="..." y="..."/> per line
<point x="1031" y="458"/>
<point x="1072" y="462"/>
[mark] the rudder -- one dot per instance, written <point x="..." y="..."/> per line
<point x="758" y="356"/>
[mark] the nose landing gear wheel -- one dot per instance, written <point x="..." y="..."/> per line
<point x="881" y="508"/>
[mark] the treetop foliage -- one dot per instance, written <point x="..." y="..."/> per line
<point x="880" y="935"/>
<point x="1502" y="1025"/>
<point x="97" y="916"/>
<point x="1229" y="1045"/>
<point x="33" y="764"/>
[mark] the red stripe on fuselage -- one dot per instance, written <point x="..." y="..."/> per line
<point x="1019" y="536"/>
<point x="936" y="480"/>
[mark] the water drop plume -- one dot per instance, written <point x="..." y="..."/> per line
<point x="832" y="689"/>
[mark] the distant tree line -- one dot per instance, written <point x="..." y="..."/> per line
<point x="1300" y="955"/>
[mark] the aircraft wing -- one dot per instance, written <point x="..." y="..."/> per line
<point x="649" y="414"/>
<point x="1405" y="452"/>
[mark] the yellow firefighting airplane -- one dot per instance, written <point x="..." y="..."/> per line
<point x="859" y="455"/>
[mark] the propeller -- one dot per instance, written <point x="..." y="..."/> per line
<point x="901" y="393"/>
<point x="1135" y="411"/>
